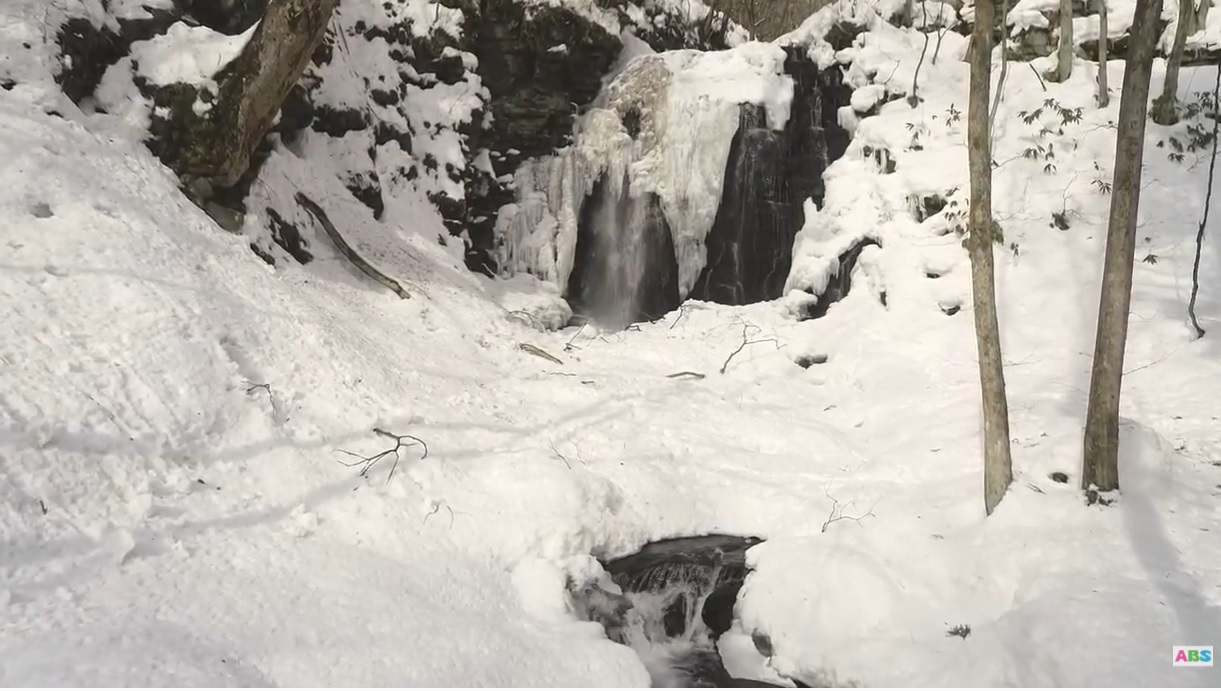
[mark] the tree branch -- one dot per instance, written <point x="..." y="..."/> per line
<point x="401" y="441"/>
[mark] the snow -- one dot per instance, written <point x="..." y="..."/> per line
<point x="689" y="105"/>
<point x="166" y="520"/>
<point x="187" y="54"/>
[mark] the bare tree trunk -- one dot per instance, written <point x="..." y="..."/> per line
<point x="1064" y="69"/>
<point x="1000" y="82"/>
<point x="1208" y="200"/>
<point x="1104" y="91"/>
<point x="1202" y="14"/>
<point x="1101" y="469"/>
<point x="1166" y="107"/>
<point x="1193" y="19"/>
<point x="998" y="465"/>
<point x="216" y="145"/>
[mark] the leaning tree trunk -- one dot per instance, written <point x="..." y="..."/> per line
<point x="1064" y="69"/>
<point x="1101" y="469"/>
<point x="216" y="145"/>
<point x="1166" y="107"/>
<point x="998" y="466"/>
<point x="1104" y="91"/>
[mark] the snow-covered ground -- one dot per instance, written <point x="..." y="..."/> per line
<point x="173" y="413"/>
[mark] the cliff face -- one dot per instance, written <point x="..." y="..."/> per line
<point x="440" y="100"/>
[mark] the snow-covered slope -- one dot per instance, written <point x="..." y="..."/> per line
<point x="173" y="413"/>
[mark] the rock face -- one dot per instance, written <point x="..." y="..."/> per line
<point x="441" y="98"/>
<point x="767" y="180"/>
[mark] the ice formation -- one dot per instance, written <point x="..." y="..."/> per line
<point x="665" y="125"/>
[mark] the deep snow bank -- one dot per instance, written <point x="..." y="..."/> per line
<point x="164" y="519"/>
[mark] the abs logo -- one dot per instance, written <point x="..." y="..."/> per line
<point x="1193" y="656"/>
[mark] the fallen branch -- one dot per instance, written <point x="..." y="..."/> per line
<point x="525" y="318"/>
<point x="437" y="507"/>
<point x="837" y="513"/>
<point x="1037" y="75"/>
<point x="539" y="352"/>
<point x="401" y="441"/>
<point x="692" y="375"/>
<point x="346" y="250"/>
<point x="270" y="396"/>
<point x="745" y="342"/>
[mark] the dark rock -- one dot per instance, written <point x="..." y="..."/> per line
<point x="86" y="51"/>
<point x="768" y="177"/>
<point x="928" y="206"/>
<point x="229" y="219"/>
<point x="368" y="190"/>
<point x="841" y="281"/>
<point x="1059" y="477"/>
<point x="226" y="16"/>
<point x="750" y="245"/>
<point x="679" y="560"/>
<point x="718" y="608"/>
<point x="298" y="111"/>
<point x="808" y="361"/>
<point x="336" y="122"/>
<point x="263" y="254"/>
<point x="950" y="309"/>
<point x="7" y="84"/>
<point x="383" y="97"/>
<point x="288" y="237"/>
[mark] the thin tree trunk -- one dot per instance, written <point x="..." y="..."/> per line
<point x="1000" y="82"/>
<point x="1202" y="14"/>
<point x="1166" y="107"/>
<point x="1101" y="467"/>
<point x="1104" y="91"/>
<point x="216" y="145"/>
<point x="998" y="466"/>
<point x="1064" y="69"/>
<point x="1208" y="199"/>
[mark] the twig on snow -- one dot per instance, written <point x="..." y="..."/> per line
<point x="1039" y="76"/>
<point x="539" y="352"/>
<point x="437" y="507"/>
<point x="746" y="341"/>
<point x="837" y="513"/>
<point x="401" y="441"/>
<point x="687" y="373"/>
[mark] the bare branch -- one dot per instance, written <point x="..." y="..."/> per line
<point x="837" y="512"/>
<point x="401" y="441"/>
<point x="746" y="341"/>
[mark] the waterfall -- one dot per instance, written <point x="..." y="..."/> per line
<point x="624" y="268"/>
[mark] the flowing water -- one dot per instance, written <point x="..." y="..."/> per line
<point x="678" y="598"/>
